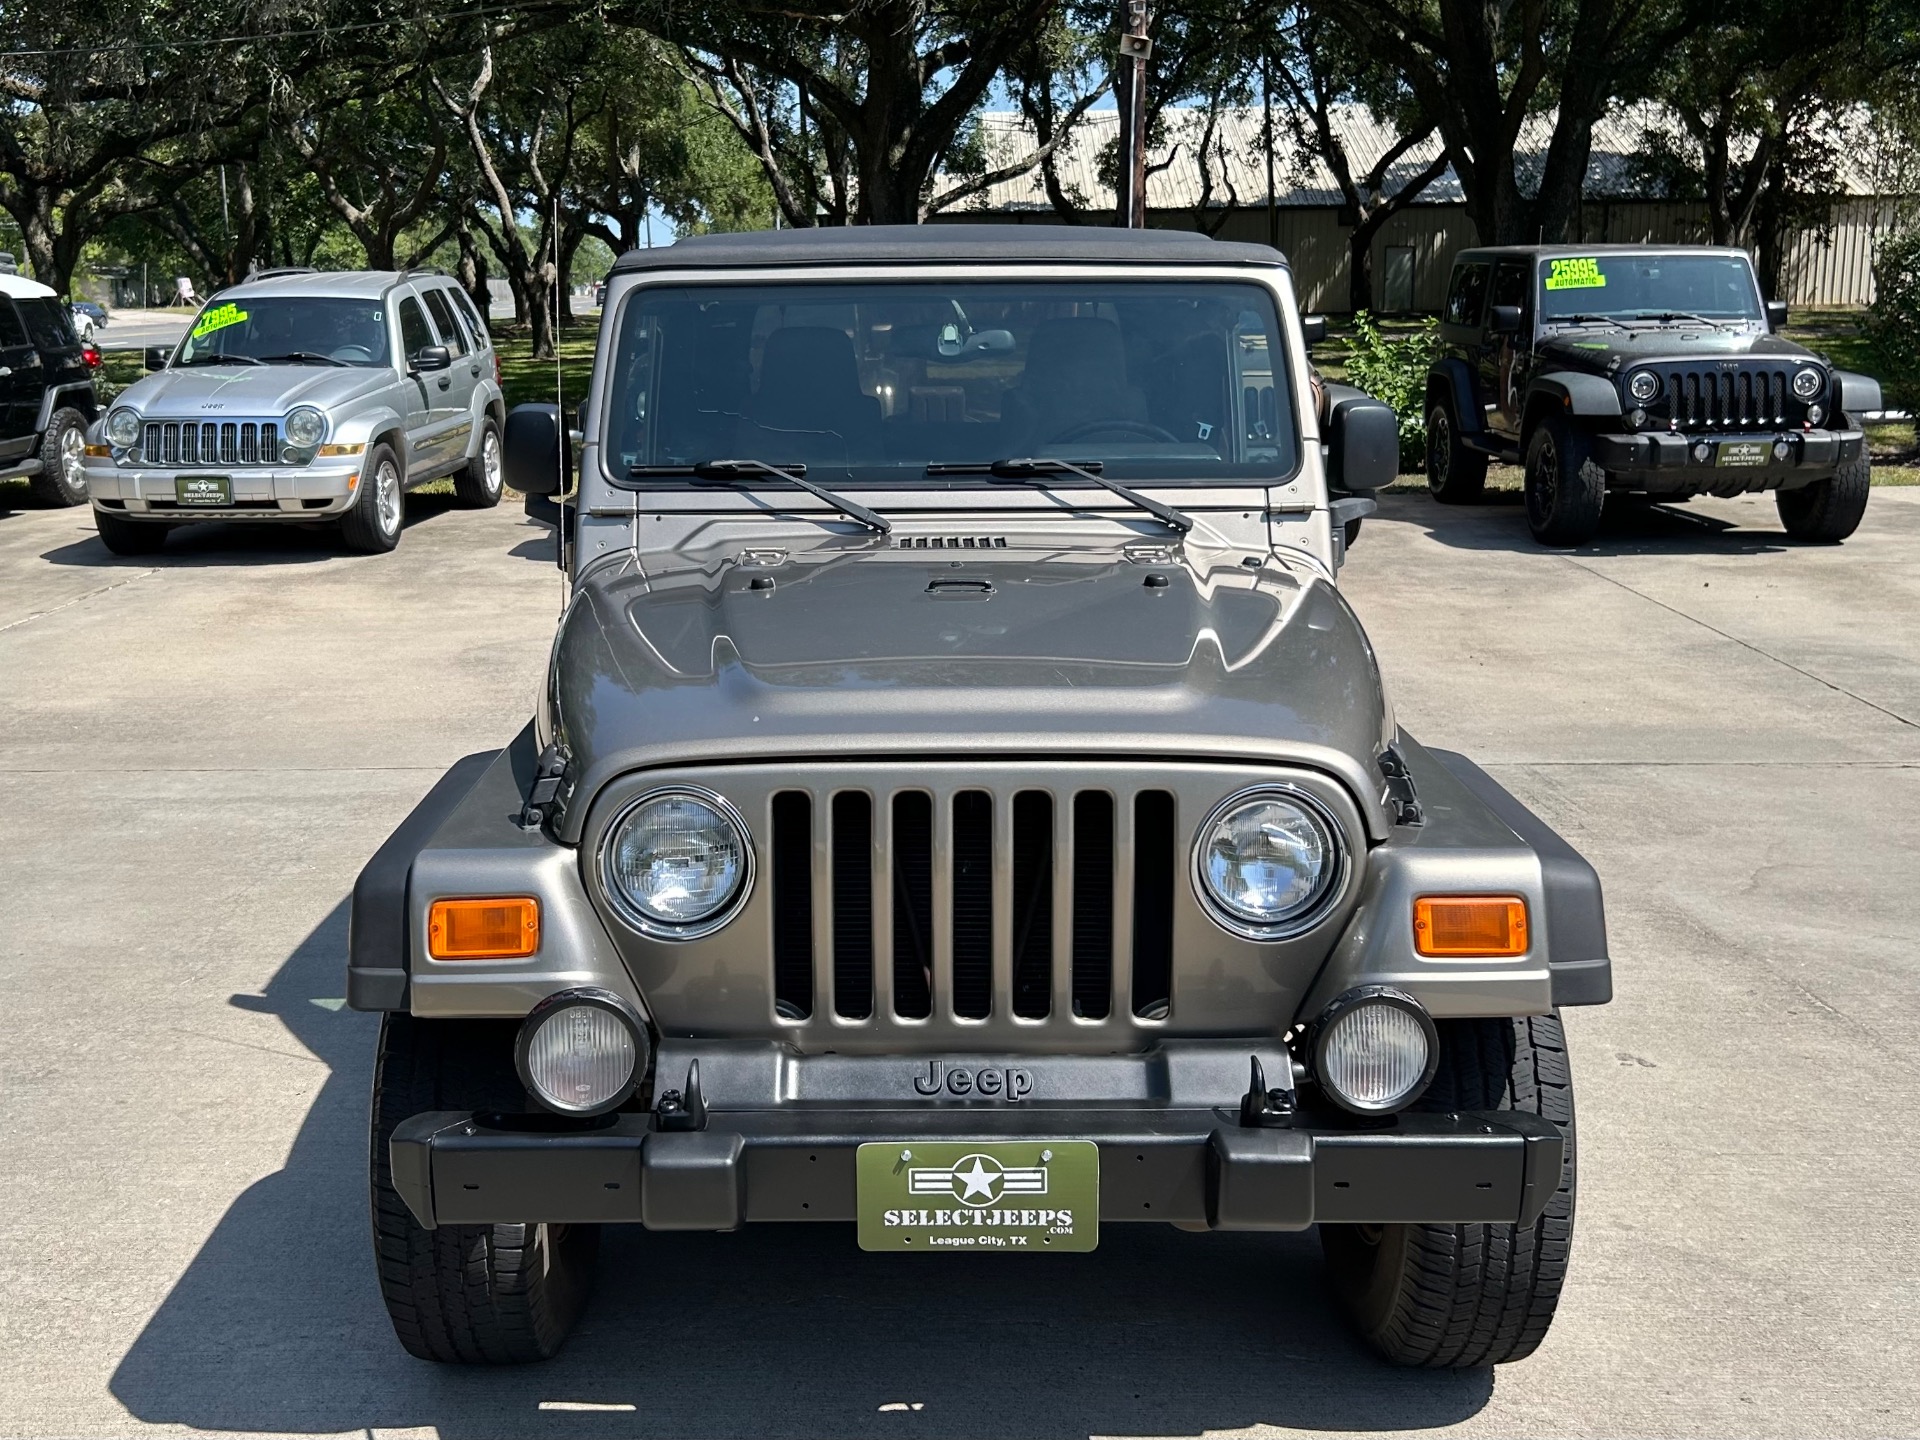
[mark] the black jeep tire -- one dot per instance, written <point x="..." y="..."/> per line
<point x="478" y="486"/>
<point x="1828" y="511"/>
<point x="1565" y="488"/>
<point x="63" y="478"/>
<point x="129" y="537"/>
<point x="1463" y="1296"/>
<point x="1455" y="474"/>
<point x="1352" y="529"/>
<point x="373" y="523"/>
<point x="466" y="1294"/>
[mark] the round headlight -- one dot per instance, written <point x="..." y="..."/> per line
<point x="1643" y="386"/>
<point x="1374" y="1050"/>
<point x="123" y="428"/>
<point x="678" y="863"/>
<point x="581" y="1051"/>
<point x="1267" y="862"/>
<point x="1807" y="383"/>
<point x="305" y="426"/>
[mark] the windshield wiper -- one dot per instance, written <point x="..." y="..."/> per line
<point x="1590" y="319"/>
<point x="301" y="357"/>
<point x="734" y="470"/>
<point x="1027" y="469"/>
<point x="224" y="360"/>
<point x="1667" y="317"/>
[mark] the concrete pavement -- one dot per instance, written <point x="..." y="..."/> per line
<point x="202" y="748"/>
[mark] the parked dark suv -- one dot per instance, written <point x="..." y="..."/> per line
<point x="1654" y="370"/>
<point x="46" y="393"/>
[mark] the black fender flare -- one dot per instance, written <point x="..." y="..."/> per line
<point x="1451" y="380"/>
<point x="1859" y="394"/>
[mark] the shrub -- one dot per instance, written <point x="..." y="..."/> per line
<point x="1893" y="320"/>
<point x="1393" y="368"/>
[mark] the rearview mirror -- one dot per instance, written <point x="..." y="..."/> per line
<point x="156" y="357"/>
<point x="1363" y="443"/>
<point x="431" y="357"/>
<point x="536" y="453"/>
<point x="1504" y="320"/>
<point x="1313" y="329"/>
<point x="1776" y="314"/>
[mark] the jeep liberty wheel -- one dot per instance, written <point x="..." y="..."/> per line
<point x="1828" y="511"/>
<point x="1565" y="487"/>
<point x="372" y="523"/>
<point x="63" y="460"/>
<point x="1455" y="474"/>
<point x="478" y="486"/>
<point x="129" y="537"/>
<point x="466" y="1294"/>
<point x="1462" y="1296"/>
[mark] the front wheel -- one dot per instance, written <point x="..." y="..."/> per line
<point x="477" y="487"/>
<point x="1828" y="511"/>
<point x="63" y="460"/>
<point x="1463" y="1296"/>
<point x="1455" y="474"/>
<point x="129" y="537"/>
<point x="466" y="1294"/>
<point x="1565" y="486"/>
<point x="372" y="523"/>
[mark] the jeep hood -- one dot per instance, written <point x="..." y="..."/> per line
<point x="210" y="391"/>
<point x="871" y="651"/>
<point x="1606" y="351"/>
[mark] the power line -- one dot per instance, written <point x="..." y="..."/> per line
<point x="208" y="41"/>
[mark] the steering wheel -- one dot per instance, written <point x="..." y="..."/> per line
<point x="351" y="354"/>
<point x="1087" y="429"/>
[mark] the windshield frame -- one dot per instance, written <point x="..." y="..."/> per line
<point x="1272" y="281"/>
<point x="382" y="358"/>
<point x="1543" y="267"/>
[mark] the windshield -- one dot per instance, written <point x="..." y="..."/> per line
<point x="874" y="383"/>
<point x="1645" y="287"/>
<point x="289" y="330"/>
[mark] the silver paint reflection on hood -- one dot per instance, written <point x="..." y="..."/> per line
<point x="209" y="391"/>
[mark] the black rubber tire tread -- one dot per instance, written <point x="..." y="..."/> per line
<point x="1464" y="478"/>
<point x="360" y="526"/>
<point x="1828" y="511"/>
<point x="1568" y="513"/>
<point x="50" y="487"/>
<point x="470" y="483"/>
<point x="1352" y="528"/>
<point x="129" y="537"/>
<point x="1466" y="1296"/>
<point x="466" y="1294"/>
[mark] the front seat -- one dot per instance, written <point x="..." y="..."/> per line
<point x="1076" y="375"/>
<point x="809" y="405"/>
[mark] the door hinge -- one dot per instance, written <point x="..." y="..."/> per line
<point x="1400" y="793"/>
<point x="549" y="778"/>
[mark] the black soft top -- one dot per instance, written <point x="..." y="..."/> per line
<point x="924" y="244"/>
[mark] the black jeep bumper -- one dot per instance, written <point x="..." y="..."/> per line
<point x="1672" y="461"/>
<point x="1195" y="1168"/>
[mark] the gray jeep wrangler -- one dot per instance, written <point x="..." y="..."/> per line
<point x="962" y="807"/>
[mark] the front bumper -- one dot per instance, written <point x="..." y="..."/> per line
<point x="1674" y="459"/>
<point x="264" y="492"/>
<point x="1197" y="1168"/>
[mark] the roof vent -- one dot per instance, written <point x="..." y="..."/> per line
<point x="950" y="542"/>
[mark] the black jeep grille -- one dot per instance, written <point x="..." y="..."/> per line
<point x="1715" y="397"/>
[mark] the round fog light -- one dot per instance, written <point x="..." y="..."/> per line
<point x="581" y="1052"/>
<point x="1374" y="1050"/>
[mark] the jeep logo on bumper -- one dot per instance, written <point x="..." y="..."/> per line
<point x="988" y="1083"/>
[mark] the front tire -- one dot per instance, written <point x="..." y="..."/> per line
<point x="1566" y="488"/>
<point x="1455" y="474"/>
<point x="373" y="523"/>
<point x="466" y="1294"/>
<point x="1828" y="511"/>
<point x="63" y="460"/>
<point x="129" y="537"/>
<point x="1464" y="1296"/>
<point x="478" y="486"/>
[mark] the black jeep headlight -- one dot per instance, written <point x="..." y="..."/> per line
<point x="1267" y="863"/>
<point x="1643" y="385"/>
<point x="1807" y="384"/>
<point x="678" y="863"/>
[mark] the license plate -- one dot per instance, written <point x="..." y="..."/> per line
<point x="1025" y="1195"/>
<point x="1744" y="452"/>
<point x="203" y="489"/>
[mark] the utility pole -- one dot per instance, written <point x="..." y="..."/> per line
<point x="1273" y="201"/>
<point x="1135" y="48"/>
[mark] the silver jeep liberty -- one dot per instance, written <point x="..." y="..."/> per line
<point x="963" y="808"/>
<point x="299" y="397"/>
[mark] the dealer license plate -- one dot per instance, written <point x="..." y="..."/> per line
<point x="1745" y="453"/>
<point x="203" y="489"/>
<point x="1023" y="1195"/>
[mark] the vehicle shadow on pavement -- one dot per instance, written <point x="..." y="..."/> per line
<point x="237" y="543"/>
<point x="779" y="1331"/>
<point x="1629" y="527"/>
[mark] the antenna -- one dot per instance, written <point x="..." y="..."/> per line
<point x="559" y="401"/>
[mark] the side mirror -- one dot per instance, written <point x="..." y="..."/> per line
<point x="431" y="357"/>
<point x="1776" y="314"/>
<point x="536" y="453"/>
<point x="1313" y="329"/>
<point x="156" y="356"/>
<point x="1504" y="320"/>
<point x="1363" y="444"/>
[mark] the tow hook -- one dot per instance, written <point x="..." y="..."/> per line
<point x="678" y="1110"/>
<point x="1263" y="1108"/>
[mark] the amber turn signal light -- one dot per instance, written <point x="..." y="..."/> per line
<point x="1456" y="926"/>
<point x="488" y="929"/>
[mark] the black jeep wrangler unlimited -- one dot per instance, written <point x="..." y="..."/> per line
<point x="46" y="393"/>
<point x="1636" y="369"/>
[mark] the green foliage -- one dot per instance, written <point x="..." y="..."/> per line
<point x="1393" y="368"/>
<point x="1893" y="322"/>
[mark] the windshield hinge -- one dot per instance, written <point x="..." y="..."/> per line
<point x="1400" y="793"/>
<point x="549" y="778"/>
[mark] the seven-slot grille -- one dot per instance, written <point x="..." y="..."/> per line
<point x="1712" y="397"/>
<point x="1034" y="904"/>
<point x="211" y="442"/>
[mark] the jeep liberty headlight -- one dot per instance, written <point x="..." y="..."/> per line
<point x="1807" y="383"/>
<point x="1267" y="861"/>
<point x="305" y="426"/>
<point x="123" y="428"/>
<point x="678" y="863"/>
